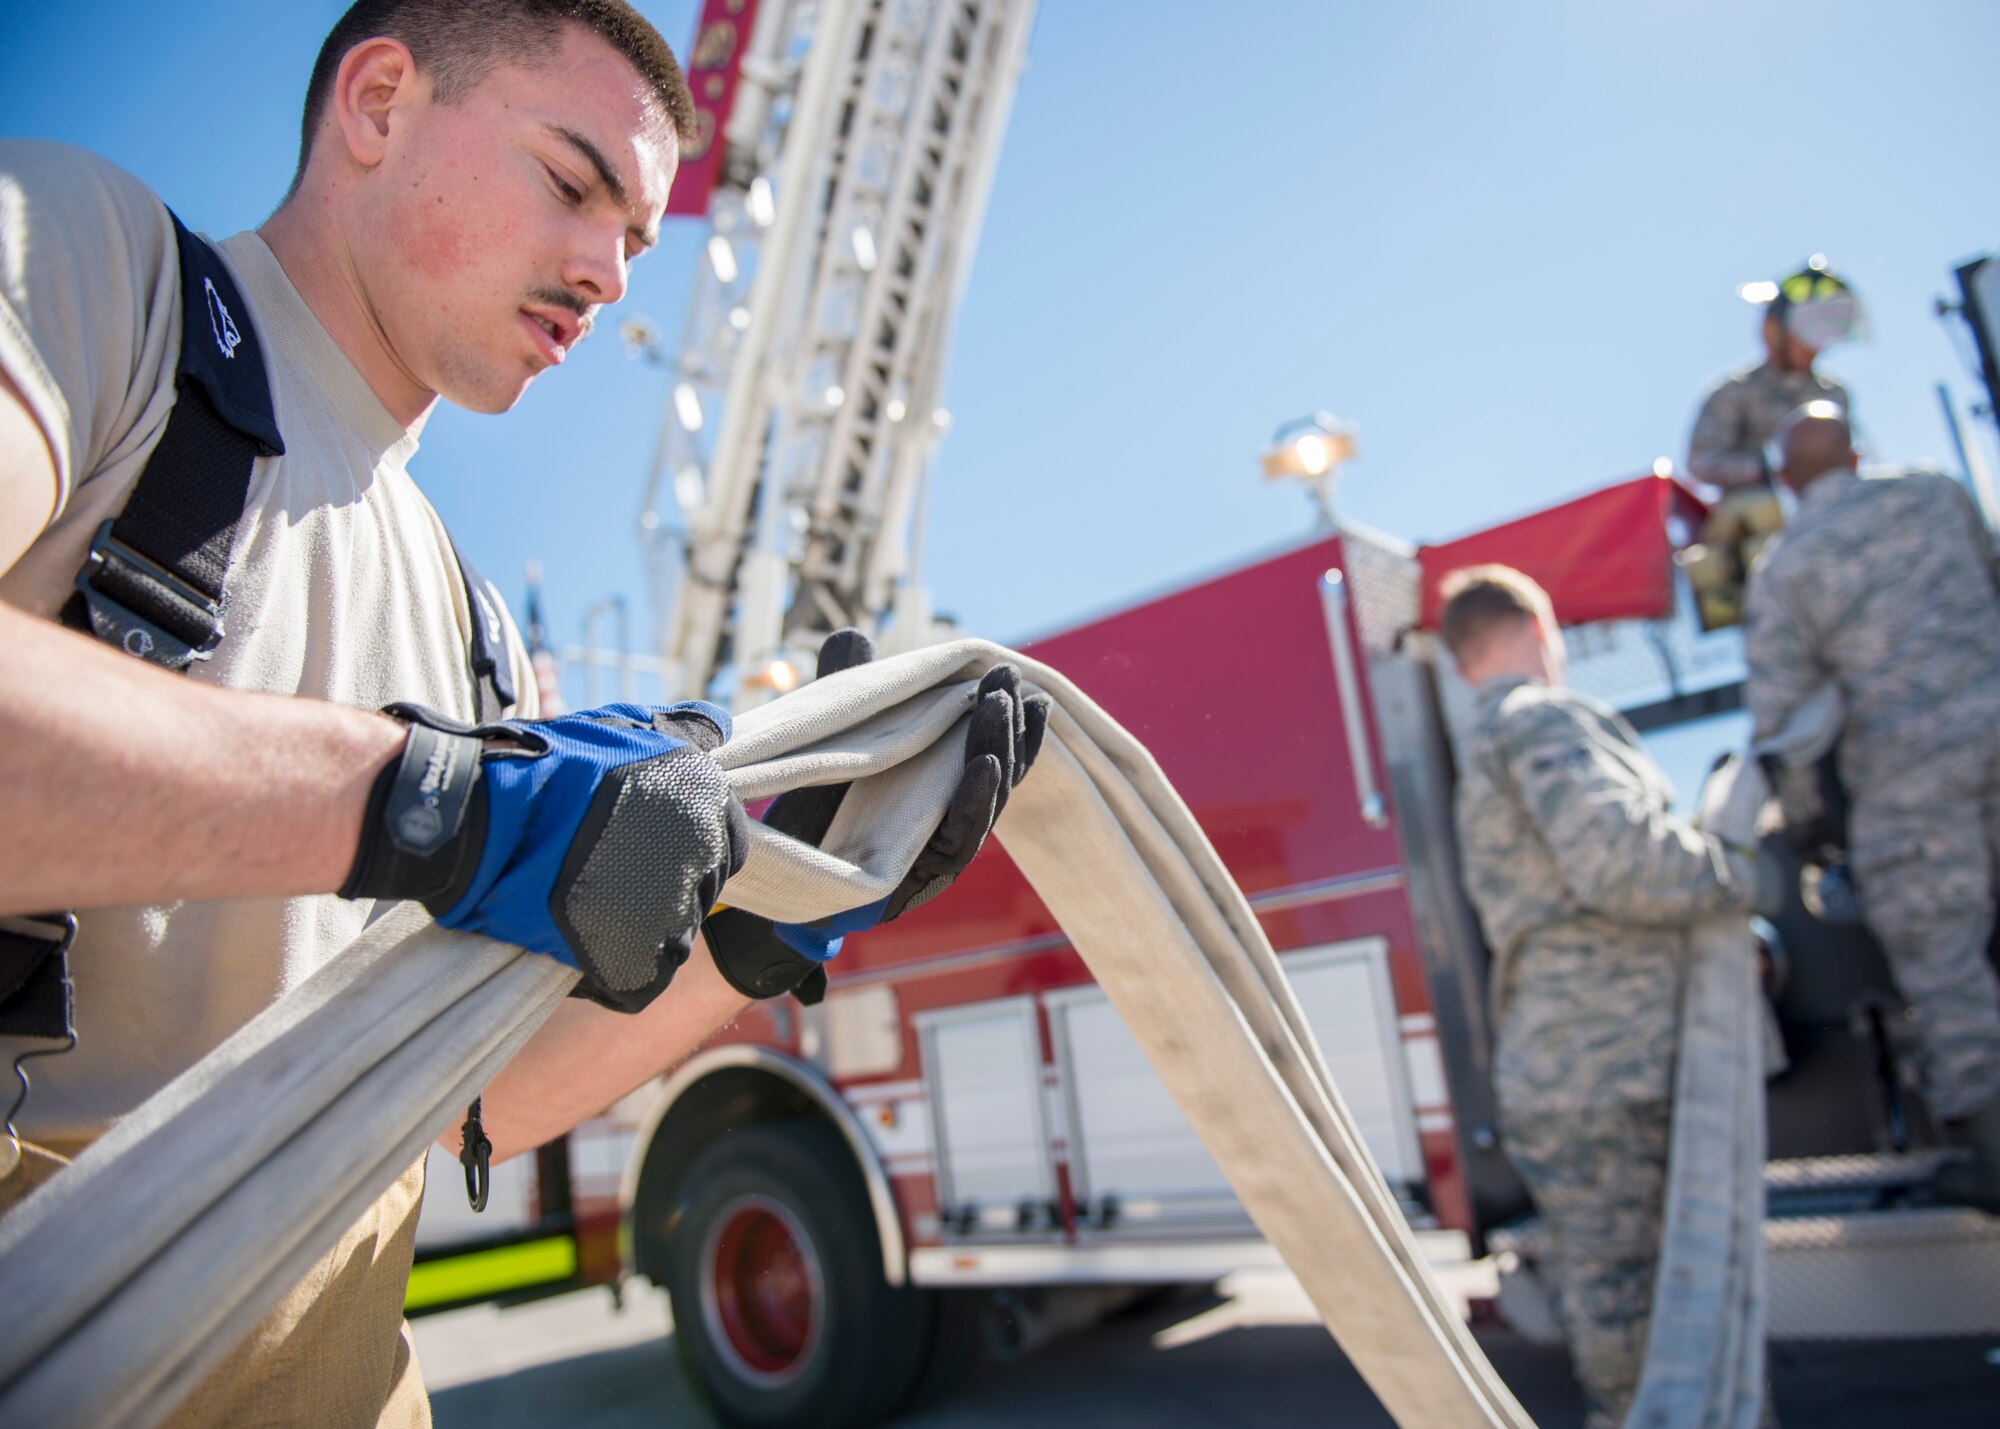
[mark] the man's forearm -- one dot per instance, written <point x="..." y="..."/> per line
<point x="1732" y="471"/>
<point x="585" y="1057"/>
<point x="122" y="783"/>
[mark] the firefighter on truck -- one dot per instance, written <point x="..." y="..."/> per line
<point x="1887" y="588"/>
<point x="1804" y="313"/>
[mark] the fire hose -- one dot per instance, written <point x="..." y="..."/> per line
<point x="169" y="1238"/>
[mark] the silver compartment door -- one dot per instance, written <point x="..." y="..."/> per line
<point x="983" y="1067"/>
<point x="1345" y="993"/>
<point x="1131" y="1143"/>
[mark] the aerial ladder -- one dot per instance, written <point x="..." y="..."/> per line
<point x="786" y="493"/>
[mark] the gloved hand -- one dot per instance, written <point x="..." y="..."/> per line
<point x="1765" y="878"/>
<point x="763" y="959"/>
<point x="1829" y="894"/>
<point x="599" y="839"/>
<point x="1815" y="807"/>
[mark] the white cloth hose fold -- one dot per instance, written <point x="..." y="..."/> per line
<point x="227" y="1184"/>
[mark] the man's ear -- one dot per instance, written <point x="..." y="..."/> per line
<point x="375" y="78"/>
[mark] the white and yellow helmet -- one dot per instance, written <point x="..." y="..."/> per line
<point x="1816" y="305"/>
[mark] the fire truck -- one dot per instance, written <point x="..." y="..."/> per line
<point x="825" y="1191"/>
<point x="837" y="1197"/>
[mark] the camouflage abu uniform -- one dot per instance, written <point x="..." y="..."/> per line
<point x="1886" y="587"/>
<point x="1741" y="413"/>
<point x="1585" y="885"/>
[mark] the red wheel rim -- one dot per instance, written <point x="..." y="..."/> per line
<point x="761" y="1290"/>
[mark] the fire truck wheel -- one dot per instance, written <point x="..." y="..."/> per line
<point x="774" y="1268"/>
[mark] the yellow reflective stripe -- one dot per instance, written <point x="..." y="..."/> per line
<point x="483" y="1273"/>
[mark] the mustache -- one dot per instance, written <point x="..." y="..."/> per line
<point x="562" y="298"/>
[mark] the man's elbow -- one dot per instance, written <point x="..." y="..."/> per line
<point x="1657" y="902"/>
<point x="1725" y="470"/>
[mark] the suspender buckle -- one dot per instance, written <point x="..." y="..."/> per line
<point x="475" y="1154"/>
<point x="144" y="609"/>
<point x="37" y="1000"/>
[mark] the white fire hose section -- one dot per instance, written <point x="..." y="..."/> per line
<point x="151" y="1257"/>
<point x="1705" y="1350"/>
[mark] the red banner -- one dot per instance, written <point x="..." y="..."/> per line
<point x="1605" y="556"/>
<point x="713" y="65"/>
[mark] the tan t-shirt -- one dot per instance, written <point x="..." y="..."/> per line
<point x="342" y="586"/>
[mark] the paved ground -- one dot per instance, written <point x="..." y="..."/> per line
<point x="1253" y="1358"/>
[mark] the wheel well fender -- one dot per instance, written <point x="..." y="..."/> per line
<point x="726" y="1089"/>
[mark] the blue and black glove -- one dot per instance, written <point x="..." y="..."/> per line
<point x="599" y="839"/>
<point x="760" y="958"/>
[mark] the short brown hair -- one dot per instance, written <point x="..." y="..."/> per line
<point x="1477" y="599"/>
<point x="458" y="42"/>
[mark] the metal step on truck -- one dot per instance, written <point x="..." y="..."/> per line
<point x="833" y="1196"/>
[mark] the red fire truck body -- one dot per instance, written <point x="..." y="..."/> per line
<point x="982" y="1102"/>
<point x="1004" y="1124"/>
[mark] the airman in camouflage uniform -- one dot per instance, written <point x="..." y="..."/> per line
<point x="1738" y="418"/>
<point x="1741" y="414"/>
<point x="1804" y="312"/>
<point x="1585" y="885"/>
<point x="1887" y="588"/>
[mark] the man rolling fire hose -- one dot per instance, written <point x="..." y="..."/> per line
<point x="226" y="1184"/>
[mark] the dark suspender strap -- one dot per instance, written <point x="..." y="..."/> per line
<point x="152" y="583"/>
<point x="492" y="672"/>
<point x="36" y="997"/>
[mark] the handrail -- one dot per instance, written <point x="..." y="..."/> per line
<point x="1347" y="684"/>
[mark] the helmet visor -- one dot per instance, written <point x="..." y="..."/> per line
<point x="1820" y="322"/>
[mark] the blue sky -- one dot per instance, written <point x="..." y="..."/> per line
<point x="1504" y="238"/>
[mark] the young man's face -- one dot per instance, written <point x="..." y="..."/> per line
<point x="505" y="220"/>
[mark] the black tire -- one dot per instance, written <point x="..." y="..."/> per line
<point x="955" y="1348"/>
<point x="756" y="1209"/>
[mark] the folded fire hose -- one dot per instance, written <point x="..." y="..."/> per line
<point x="1705" y="1348"/>
<point x="1705" y="1351"/>
<point x="151" y="1257"/>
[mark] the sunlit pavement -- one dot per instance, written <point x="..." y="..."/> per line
<point x="1253" y="1356"/>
